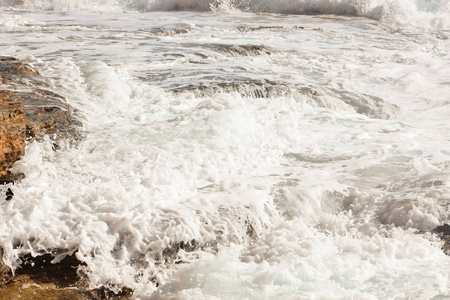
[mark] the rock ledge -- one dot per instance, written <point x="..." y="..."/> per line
<point x="28" y="109"/>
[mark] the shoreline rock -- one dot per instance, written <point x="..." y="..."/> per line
<point x="38" y="278"/>
<point x="12" y="132"/>
<point x="28" y="109"/>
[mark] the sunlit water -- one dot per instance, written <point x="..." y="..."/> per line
<point x="312" y="164"/>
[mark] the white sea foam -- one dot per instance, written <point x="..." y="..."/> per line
<point x="328" y="191"/>
<point x="62" y="5"/>
<point x="406" y="13"/>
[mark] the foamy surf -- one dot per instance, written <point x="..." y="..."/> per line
<point x="432" y="15"/>
<point x="238" y="155"/>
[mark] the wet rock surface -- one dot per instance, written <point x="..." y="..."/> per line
<point x="47" y="112"/>
<point x="165" y="31"/>
<point x="243" y="50"/>
<point x="39" y="278"/>
<point x="444" y="233"/>
<point x="16" y="75"/>
<point x="12" y="132"/>
<point x="27" y="110"/>
<point x="11" y="68"/>
<point x="258" y="28"/>
<point x="246" y="88"/>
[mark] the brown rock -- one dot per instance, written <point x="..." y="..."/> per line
<point x="23" y="287"/>
<point x="12" y="131"/>
<point x="28" y="110"/>
<point x="15" y="73"/>
<point x="46" y="112"/>
<point x="4" y="270"/>
<point x="12" y="147"/>
<point x="38" y="278"/>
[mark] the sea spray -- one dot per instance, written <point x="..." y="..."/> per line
<point x="407" y="13"/>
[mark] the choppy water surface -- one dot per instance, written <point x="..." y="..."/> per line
<point x="235" y="154"/>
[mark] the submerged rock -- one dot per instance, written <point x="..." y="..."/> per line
<point x="165" y="31"/>
<point x="243" y="50"/>
<point x="252" y="88"/>
<point x="258" y="28"/>
<point x="444" y="232"/>
<point x="246" y="88"/>
<point x="369" y="105"/>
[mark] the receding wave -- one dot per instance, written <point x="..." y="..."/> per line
<point x="431" y="14"/>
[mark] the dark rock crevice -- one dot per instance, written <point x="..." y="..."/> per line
<point x="39" y="278"/>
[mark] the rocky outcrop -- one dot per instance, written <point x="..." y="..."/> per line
<point x="38" y="278"/>
<point x="28" y="109"/>
<point x="12" y="131"/>
<point x="12" y="69"/>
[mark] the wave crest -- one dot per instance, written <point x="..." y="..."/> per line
<point x="429" y="14"/>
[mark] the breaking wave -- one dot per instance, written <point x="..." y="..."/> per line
<point x="430" y="14"/>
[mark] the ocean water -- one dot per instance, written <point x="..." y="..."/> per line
<point x="240" y="149"/>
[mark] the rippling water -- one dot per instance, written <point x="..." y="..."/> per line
<point x="234" y="153"/>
